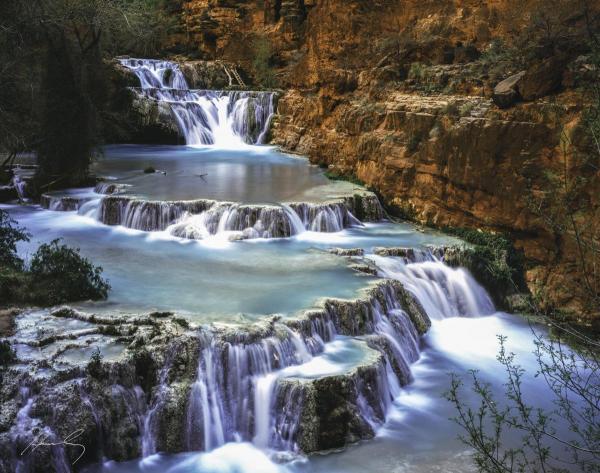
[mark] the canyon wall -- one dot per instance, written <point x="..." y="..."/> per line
<point x="400" y="95"/>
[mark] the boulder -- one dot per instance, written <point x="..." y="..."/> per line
<point x="506" y="93"/>
<point x="542" y="78"/>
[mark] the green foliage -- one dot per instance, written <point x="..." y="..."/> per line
<point x="95" y="367"/>
<point x="493" y="260"/>
<point x="149" y="170"/>
<point x="10" y="235"/>
<point x="54" y="94"/>
<point x="336" y="176"/>
<point x="7" y="354"/>
<point x="56" y="272"/>
<point x="466" y="109"/>
<point x="263" y="68"/>
<point x="61" y="274"/>
<point x="417" y="71"/>
<point x="573" y="379"/>
<point x="404" y="211"/>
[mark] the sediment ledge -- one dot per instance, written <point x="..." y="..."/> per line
<point x="147" y="397"/>
<point x="201" y="218"/>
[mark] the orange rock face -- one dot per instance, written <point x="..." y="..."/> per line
<point x="389" y="91"/>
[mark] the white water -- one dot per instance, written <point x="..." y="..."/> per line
<point x="441" y="290"/>
<point x="20" y="186"/>
<point x="205" y="117"/>
<point x="240" y="415"/>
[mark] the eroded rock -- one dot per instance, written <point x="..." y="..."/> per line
<point x="506" y="93"/>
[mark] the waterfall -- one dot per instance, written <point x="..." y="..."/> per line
<point x="200" y="219"/>
<point x="240" y="391"/>
<point x="205" y="117"/>
<point x="20" y="186"/>
<point x="265" y="383"/>
<point x="441" y="290"/>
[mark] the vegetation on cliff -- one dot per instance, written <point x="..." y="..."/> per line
<point x="493" y="260"/>
<point x="264" y="71"/>
<point x="55" y="274"/>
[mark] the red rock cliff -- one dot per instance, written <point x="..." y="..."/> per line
<point x="399" y="94"/>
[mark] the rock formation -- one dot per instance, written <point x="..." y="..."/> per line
<point x="399" y="95"/>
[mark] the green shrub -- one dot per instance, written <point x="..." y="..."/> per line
<point x="10" y="235"/>
<point x="60" y="274"/>
<point x="263" y="69"/>
<point x="95" y="367"/>
<point x="466" y="109"/>
<point x="7" y="354"/>
<point x="417" y="71"/>
<point x="493" y="260"/>
<point x="335" y="176"/>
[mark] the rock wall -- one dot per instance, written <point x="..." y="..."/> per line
<point x="401" y="96"/>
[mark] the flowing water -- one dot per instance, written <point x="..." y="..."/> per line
<point x="226" y="239"/>
<point x="205" y="117"/>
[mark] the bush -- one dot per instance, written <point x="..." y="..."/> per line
<point x="263" y="69"/>
<point x="7" y="354"/>
<point x="337" y="176"/>
<point x="95" y="367"/>
<point x="10" y="235"/>
<point x="60" y="274"/>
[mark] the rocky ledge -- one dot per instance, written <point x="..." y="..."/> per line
<point x="197" y="219"/>
<point x="133" y="385"/>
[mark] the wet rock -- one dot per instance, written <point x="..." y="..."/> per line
<point x="346" y="251"/>
<point x="109" y="188"/>
<point x="171" y="418"/>
<point x="205" y="74"/>
<point x="332" y="415"/>
<point x="63" y="409"/>
<point x="60" y="203"/>
<point x="543" y="78"/>
<point x="408" y="253"/>
<point x="365" y="269"/>
<point x="161" y="315"/>
<point x="147" y="388"/>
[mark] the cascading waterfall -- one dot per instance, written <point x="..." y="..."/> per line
<point x="237" y="386"/>
<point x="246" y="386"/>
<point x="250" y="403"/>
<point x="20" y="186"/>
<point x="441" y="290"/>
<point x="201" y="219"/>
<point x="205" y="117"/>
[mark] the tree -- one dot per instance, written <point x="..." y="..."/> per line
<point x="53" y="58"/>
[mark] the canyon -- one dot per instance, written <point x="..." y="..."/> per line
<point x="400" y="95"/>
<point x="318" y="221"/>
